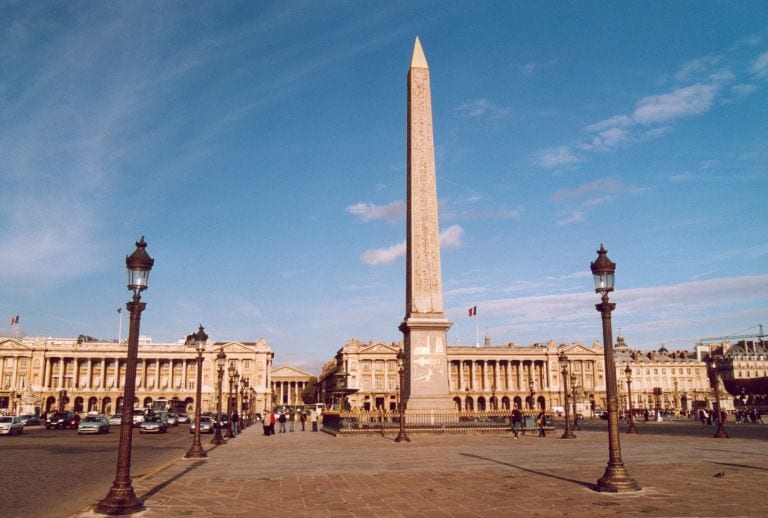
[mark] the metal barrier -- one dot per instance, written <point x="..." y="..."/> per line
<point x="385" y="423"/>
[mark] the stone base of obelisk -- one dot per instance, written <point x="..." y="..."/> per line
<point x="426" y="385"/>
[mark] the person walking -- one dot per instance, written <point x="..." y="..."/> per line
<point x="314" y="420"/>
<point x="514" y="420"/>
<point x="235" y="423"/>
<point x="282" y="420"/>
<point x="303" y="419"/>
<point x="540" y="420"/>
<point x="266" y="422"/>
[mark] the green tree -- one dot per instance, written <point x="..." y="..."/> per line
<point x="309" y="394"/>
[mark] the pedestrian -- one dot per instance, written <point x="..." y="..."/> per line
<point x="266" y="422"/>
<point x="292" y="421"/>
<point x="515" y="418"/>
<point x="282" y="420"/>
<point x="272" y="421"/>
<point x="314" y="420"/>
<point x="303" y="419"/>
<point x="235" y="423"/>
<point x="540" y="421"/>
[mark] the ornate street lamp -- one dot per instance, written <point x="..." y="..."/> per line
<point x="199" y="339"/>
<point x="531" y="389"/>
<point x="244" y="403"/>
<point x="573" y="400"/>
<point x="563" y="359"/>
<point x="232" y="374"/>
<point x="221" y="359"/>
<point x="121" y="499"/>
<point x="628" y="373"/>
<point x="720" y="433"/>
<point x="616" y="479"/>
<point x="401" y="436"/>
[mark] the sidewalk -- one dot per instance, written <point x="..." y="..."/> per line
<point x="315" y="474"/>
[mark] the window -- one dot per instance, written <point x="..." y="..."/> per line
<point x="246" y="364"/>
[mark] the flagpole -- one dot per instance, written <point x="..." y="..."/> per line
<point x="477" y="331"/>
<point x="119" y="325"/>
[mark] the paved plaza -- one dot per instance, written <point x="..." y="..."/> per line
<point x="316" y="474"/>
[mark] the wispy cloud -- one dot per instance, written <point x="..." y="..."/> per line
<point x="451" y="237"/>
<point x="603" y="185"/>
<point x="557" y="157"/>
<point x="533" y="68"/>
<point x="760" y="67"/>
<point x="683" y="102"/>
<point x="482" y="109"/>
<point x="394" y="211"/>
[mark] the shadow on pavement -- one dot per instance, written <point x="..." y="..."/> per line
<point x="535" y="472"/>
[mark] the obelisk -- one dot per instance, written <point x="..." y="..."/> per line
<point x="424" y="326"/>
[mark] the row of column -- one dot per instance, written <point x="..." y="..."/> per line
<point x="288" y="392"/>
<point x="511" y="375"/>
<point x="146" y="368"/>
<point x="15" y="371"/>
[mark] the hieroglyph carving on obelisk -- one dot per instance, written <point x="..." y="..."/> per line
<point x="425" y="326"/>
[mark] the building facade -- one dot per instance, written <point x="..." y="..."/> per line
<point x="505" y="376"/>
<point x="47" y="374"/>
<point x="287" y="385"/>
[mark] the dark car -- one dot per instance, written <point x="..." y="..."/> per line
<point x="61" y="421"/>
<point x="31" y="420"/>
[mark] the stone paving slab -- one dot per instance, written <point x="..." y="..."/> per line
<point x="315" y="474"/>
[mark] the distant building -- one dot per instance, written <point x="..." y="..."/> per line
<point x="45" y="374"/>
<point x="501" y="377"/>
<point x="287" y="384"/>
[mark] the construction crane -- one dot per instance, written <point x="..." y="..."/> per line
<point x="760" y="336"/>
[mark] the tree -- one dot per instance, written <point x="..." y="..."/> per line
<point x="309" y="394"/>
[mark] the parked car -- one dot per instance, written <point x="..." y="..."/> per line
<point x="183" y="419"/>
<point x="153" y="424"/>
<point x="61" y="421"/>
<point x="173" y="419"/>
<point x="10" y="425"/>
<point x="116" y="419"/>
<point x="206" y="425"/>
<point x="30" y="420"/>
<point x="94" y="424"/>
<point x="138" y="416"/>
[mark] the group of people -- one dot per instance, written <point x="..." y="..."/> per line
<point x="288" y="418"/>
<point x="746" y="415"/>
<point x="516" y="421"/>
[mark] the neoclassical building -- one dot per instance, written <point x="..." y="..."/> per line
<point x="493" y="377"/>
<point x="287" y="384"/>
<point x="45" y="374"/>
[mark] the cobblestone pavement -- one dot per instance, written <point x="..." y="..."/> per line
<point x="315" y="474"/>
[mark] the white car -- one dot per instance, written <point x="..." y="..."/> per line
<point x="116" y="419"/>
<point x="10" y="425"/>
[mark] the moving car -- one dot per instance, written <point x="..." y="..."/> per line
<point x="183" y="419"/>
<point x="138" y="416"/>
<point x="153" y="424"/>
<point x="173" y="419"/>
<point x="206" y="425"/>
<point x="116" y="419"/>
<point x="30" y="420"/>
<point x="61" y="421"/>
<point x="10" y="425"/>
<point x="94" y="424"/>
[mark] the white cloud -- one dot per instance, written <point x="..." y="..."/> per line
<point x="603" y="185"/>
<point x="370" y="212"/>
<point x="611" y="122"/>
<point x="697" y="66"/>
<point x="683" y="102"/>
<point x="607" y="139"/>
<point x="760" y="66"/>
<point x="451" y="237"/>
<point x="557" y="157"/>
<point x="576" y="216"/>
<point x="743" y="89"/>
<point x="482" y="108"/>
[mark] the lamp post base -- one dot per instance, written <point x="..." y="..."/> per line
<point x="720" y="433"/>
<point x="120" y="500"/>
<point x="568" y="435"/>
<point x="196" y="452"/>
<point x="616" y="480"/>
<point x="401" y="437"/>
<point x="632" y="428"/>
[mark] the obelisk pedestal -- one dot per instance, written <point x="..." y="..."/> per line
<point x="424" y="326"/>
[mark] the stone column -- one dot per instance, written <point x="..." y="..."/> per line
<point x="89" y="374"/>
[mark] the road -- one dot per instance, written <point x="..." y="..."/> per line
<point x="55" y="473"/>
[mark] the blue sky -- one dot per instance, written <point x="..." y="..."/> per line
<point x="260" y="148"/>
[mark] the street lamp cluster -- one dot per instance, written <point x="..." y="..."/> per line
<point x="563" y="360"/>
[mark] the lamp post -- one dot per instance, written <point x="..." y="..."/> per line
<point x="531" y="389"/>
<point x="616" y="479"/>
<point x="232" y="374"/>
<point x="199" y="339"/>
<point x="244" y="403"/>
<point x="628" y="373"/>
<point x="563" y="360"/>
<point x="573" y="401"/>
<point x="401" y="436"/>
<point x="221" y="359"/>
<point x="720" y="433"/>
<point x="121" y="499"/>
